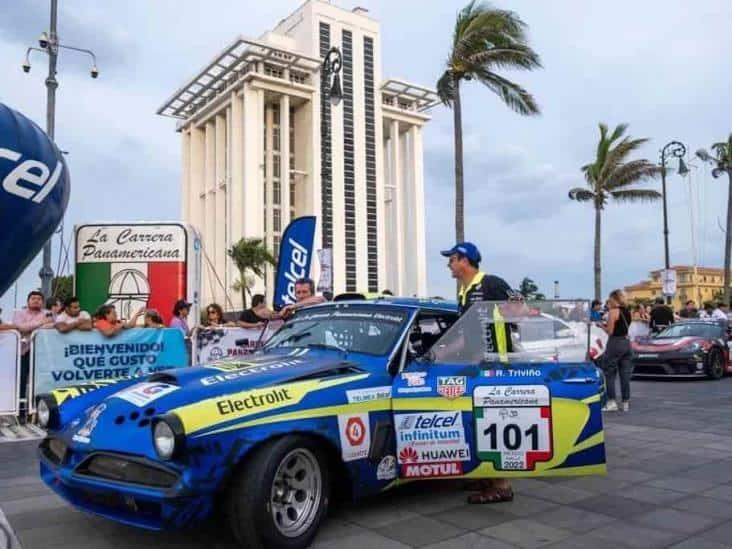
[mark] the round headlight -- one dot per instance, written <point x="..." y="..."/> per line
<point x="164" y="439"/>
<point x="44" y="413"/>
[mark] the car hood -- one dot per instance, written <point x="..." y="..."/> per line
<point x="661" y="345"/>
<point x="125" y="416"/>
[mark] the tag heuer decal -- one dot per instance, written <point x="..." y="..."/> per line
<point x="451" y="386"/>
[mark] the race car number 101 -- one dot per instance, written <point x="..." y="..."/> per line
<point x="513" y="426"/>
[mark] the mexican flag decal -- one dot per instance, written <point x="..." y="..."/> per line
<point x="131" y="266"/>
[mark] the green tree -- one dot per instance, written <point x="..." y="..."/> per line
<point x="62" y="287"/>
<point x="485" y="40"/>
<point x="530" y="290"/>
<point x="249" y="254"/>
<point x="723" y="159"/>
<point x="612" y="175"/>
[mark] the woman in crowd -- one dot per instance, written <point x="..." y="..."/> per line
<point x="638" y="328"/>
<point x="180" y="317"/>
<point x="618" y="354"/>
<point x="153" y="319"/>
<point x="215" y="317"/>
<point x="54" y="306"/>
<point x="109" y="325"/>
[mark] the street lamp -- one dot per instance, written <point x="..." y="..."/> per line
<point x="332" y="95"/>
<point x="50" y="45"/>
<point x="722" y="163"/>
<point x="678" y="150"/>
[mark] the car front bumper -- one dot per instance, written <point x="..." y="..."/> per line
<point x="686" y="364"/>
<point x="148" y="506"/>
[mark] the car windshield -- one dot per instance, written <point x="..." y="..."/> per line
<point x="517" y="331"/>
<point x="692" y="329"/>
<point x="371" y="330"/>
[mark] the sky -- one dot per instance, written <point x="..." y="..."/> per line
<point x="662" y="66"/>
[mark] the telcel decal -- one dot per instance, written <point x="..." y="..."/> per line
<point x="431" y="437"/>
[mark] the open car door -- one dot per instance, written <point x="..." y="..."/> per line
<point x="507" y="391"/>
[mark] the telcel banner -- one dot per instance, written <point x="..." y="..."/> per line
<point x="212" y="344"/>
<point x="296" y="254"/>
<point x="9" y="372"/>
<point x="60" y="360"/>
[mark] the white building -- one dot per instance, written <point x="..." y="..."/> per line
<point x="263" y="144"/>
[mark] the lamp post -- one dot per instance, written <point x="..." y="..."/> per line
<point x="50" y="45"/>
<point x="332" y="93"/>
<point x="678" y="150"/>
<point x="723" y="164"/>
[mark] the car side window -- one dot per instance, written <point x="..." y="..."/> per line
<point x="426" y="330"/>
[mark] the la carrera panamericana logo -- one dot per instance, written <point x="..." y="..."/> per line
<point x="408" y="455"/>
<point x="355" y="431"/>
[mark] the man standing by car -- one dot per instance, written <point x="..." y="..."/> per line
<point x="475" y="286"/>
<point x="662" y="316"/>
<point x="304" y="296"/>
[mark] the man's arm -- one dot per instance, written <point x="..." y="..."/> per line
<point x="26" y="327"/>
<point x="287" y="310"/>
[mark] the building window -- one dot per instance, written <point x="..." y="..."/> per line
<point x="276" y="168"/>
<point x="349" y="168"/>
<point x="276" y="220"/>
<point x="272" y="70"/>
<point x="276" y="192"/>
<point x="276" y="138"/>
<point x="326" y="186"/>
<point x="371" y="222"/>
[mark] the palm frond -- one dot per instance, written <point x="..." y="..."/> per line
<point x="513" y="95"/>
<point x="446" y="89"/>
<point x="516" y="56"/>
<point x="723" y="150"/>
<point x="581" y="195"/>
<point x="635" y="195"/>
<point x="630" y="173"/>
<point x="617" y="155"/>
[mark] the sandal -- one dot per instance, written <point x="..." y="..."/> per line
<point x="495" y="496"/>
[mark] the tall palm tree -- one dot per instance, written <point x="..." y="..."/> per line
<point x="249" y="254"/>
<point x="723" y="159"/>
<point x="485" y="40"/>
<point x="612" y="175"/>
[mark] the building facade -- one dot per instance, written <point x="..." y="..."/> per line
<point x="700" y="284"/>
<point x="265" y="141"/>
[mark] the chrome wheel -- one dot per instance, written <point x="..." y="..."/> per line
<point x="296" y="492"/>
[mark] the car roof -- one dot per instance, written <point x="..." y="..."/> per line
<point x="401" y="302"/>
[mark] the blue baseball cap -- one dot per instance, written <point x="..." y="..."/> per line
<point x="467" y="249"/>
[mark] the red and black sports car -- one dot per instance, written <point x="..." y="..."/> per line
<point x="690" y="348"/>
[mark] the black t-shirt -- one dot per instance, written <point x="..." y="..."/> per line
<point x="250" y="317"/>
<point x="490" y="288"/>
<point x="661" y="316"/>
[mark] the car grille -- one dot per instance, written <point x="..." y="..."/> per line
<point x="117" y="501"/>
<point x="121" y="469"/>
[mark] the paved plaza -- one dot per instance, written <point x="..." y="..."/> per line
<point x="669" y="485"/>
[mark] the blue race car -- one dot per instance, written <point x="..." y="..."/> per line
<point x="362" y="395"/>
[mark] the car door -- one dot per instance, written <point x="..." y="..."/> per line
<point x="455" y="416"/>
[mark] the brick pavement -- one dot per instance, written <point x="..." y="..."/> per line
<point x="669" y="485"/>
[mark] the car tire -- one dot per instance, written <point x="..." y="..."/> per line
<point x="280" y="494"/>
<point x="715" y="364"/>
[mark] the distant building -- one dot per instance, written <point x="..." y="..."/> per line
<point x="262" y="144"/>
<point x="699" y="284"/>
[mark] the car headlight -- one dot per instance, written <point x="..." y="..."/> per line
<point x="44" y="413"/>
<point x="168" y="437"/>
<point x="47" y="412"/>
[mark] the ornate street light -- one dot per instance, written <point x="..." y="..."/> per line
<point x="678" y="150"/>
<point x="50" y="45"/>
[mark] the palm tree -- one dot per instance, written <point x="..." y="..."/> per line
<point x="249" y="254"/>
<point x="612" y="175"/>
<point x="723" y="159"/>
<point x="485" y="40"/>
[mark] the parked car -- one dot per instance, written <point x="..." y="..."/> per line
<point x="696" y="348"/>
<point x="357" y="395"/>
